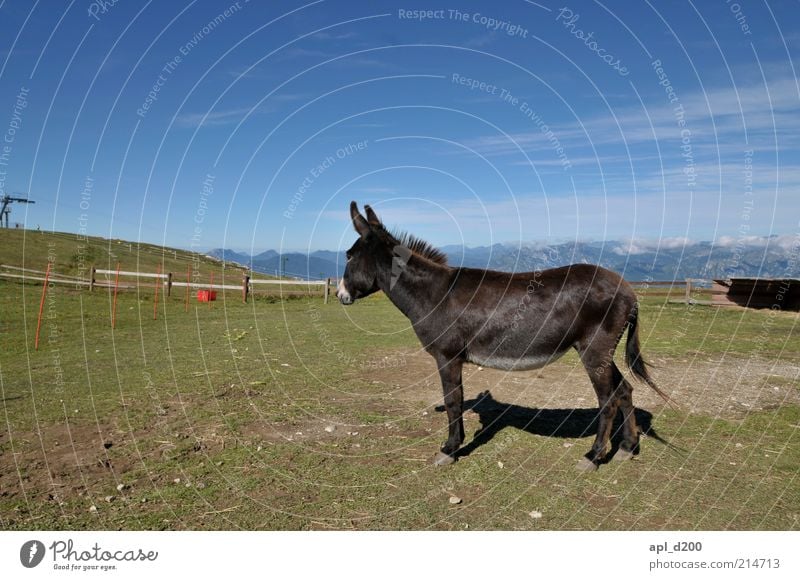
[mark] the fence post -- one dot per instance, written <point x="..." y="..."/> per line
<point x="245" y="287"/>
<point x="114" y="308"/>
<point x="41" y="304"/>
<point x="92" y="279"/>
<point x="169" y="284"/>
<point x="688" y="291"/>
<point x="186" y="294"/>
<point x="156" y="285"/>
<point x="327" y="289"/>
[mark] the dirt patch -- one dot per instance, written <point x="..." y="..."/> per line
<point x="728" y="387"/>
<point x="63" y="458"/>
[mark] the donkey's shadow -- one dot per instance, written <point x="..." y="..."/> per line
<point x="563" y="423"/>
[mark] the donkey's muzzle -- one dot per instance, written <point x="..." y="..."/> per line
<point x="342" y="294"/>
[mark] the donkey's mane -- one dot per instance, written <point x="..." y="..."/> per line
<point x="420" y="247"/>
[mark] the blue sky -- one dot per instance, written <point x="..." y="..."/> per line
<point x="252" y="125"/>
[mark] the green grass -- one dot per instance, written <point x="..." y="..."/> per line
<point x="214" y="419"/>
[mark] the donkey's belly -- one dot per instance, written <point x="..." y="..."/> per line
<point x="526" y="362"/>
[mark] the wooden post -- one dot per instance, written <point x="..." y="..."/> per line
<point x="158" y="283"/>
<point x="210" y="289"/>
<point x="327" y="289"/>
<point x="92" y="279"/>
<point x="169" y="284"/>
<point x="245" y="287"/>
<point x="186" y="295"/>
<point x="114" y="308"/>
<point x="688" y="291"/>
<point x="41" y="304"/>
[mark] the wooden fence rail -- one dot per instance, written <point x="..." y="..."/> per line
<point x="167" y="279"/>
<point x="246" y="287"/>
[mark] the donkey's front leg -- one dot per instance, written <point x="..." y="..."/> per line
<point x="450" y="374"/>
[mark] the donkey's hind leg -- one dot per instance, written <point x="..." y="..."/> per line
<point x="599" y="365"/>
<point x="630" y="431"/>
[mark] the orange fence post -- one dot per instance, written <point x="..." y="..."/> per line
<point x="114" y="309"/>
<point x="41" y="305"/>
<point x="155" y="302"/>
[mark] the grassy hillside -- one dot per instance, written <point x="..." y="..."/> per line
<point x="74" y="256"/>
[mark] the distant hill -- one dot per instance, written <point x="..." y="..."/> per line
<point x="767" y="257"/>
<point x="322" y="264"/>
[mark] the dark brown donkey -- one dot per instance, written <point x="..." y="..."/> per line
<point x="503" y="321"/>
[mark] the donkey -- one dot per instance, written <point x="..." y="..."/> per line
<point x="504" y="321"/>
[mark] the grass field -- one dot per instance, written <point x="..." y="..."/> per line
<point x="297" y="415"/>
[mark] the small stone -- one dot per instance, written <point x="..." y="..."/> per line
<point x="500" y="464"/>
<point x="259" y="448"/>
<point x="144" y="500"/>
<point x="330" y="429"/>
<point x="93" y="509"/>
<point x="201" y="485"/>
<point x="177" y="480"/>
<point x="480" y="368"/>
<point x="120" y="487"/>
<point x="568" y="445"/>
<point x="535" y="514"/>
<point x="110" y="498"/>
<point x="424" y="413"/>
<point x="455" y="500"/>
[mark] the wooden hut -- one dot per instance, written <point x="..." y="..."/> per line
<point x="776" y="293"/>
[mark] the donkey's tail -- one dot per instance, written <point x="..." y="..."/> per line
<point x="634" y="359"/>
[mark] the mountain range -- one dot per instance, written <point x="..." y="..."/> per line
<point x="667" y="259"/>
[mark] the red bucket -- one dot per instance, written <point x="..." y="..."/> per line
<point x="206" y="295"/>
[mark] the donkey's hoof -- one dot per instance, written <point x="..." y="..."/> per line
<point x="443" y="459"/>
<point x="585" y="464"/>
<point x="622" y="455"/>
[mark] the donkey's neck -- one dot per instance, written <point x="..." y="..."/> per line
<point x="416" y="286"/>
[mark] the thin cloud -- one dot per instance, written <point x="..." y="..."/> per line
<point x="233" y="116"/>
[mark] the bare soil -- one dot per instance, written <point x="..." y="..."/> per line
<point x="728" y="387"/>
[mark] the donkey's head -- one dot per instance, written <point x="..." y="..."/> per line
<point x="364" y="257"/>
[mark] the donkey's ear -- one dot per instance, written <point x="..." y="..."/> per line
<point x="372" y="217"/>
<point x="359" y="223"/>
